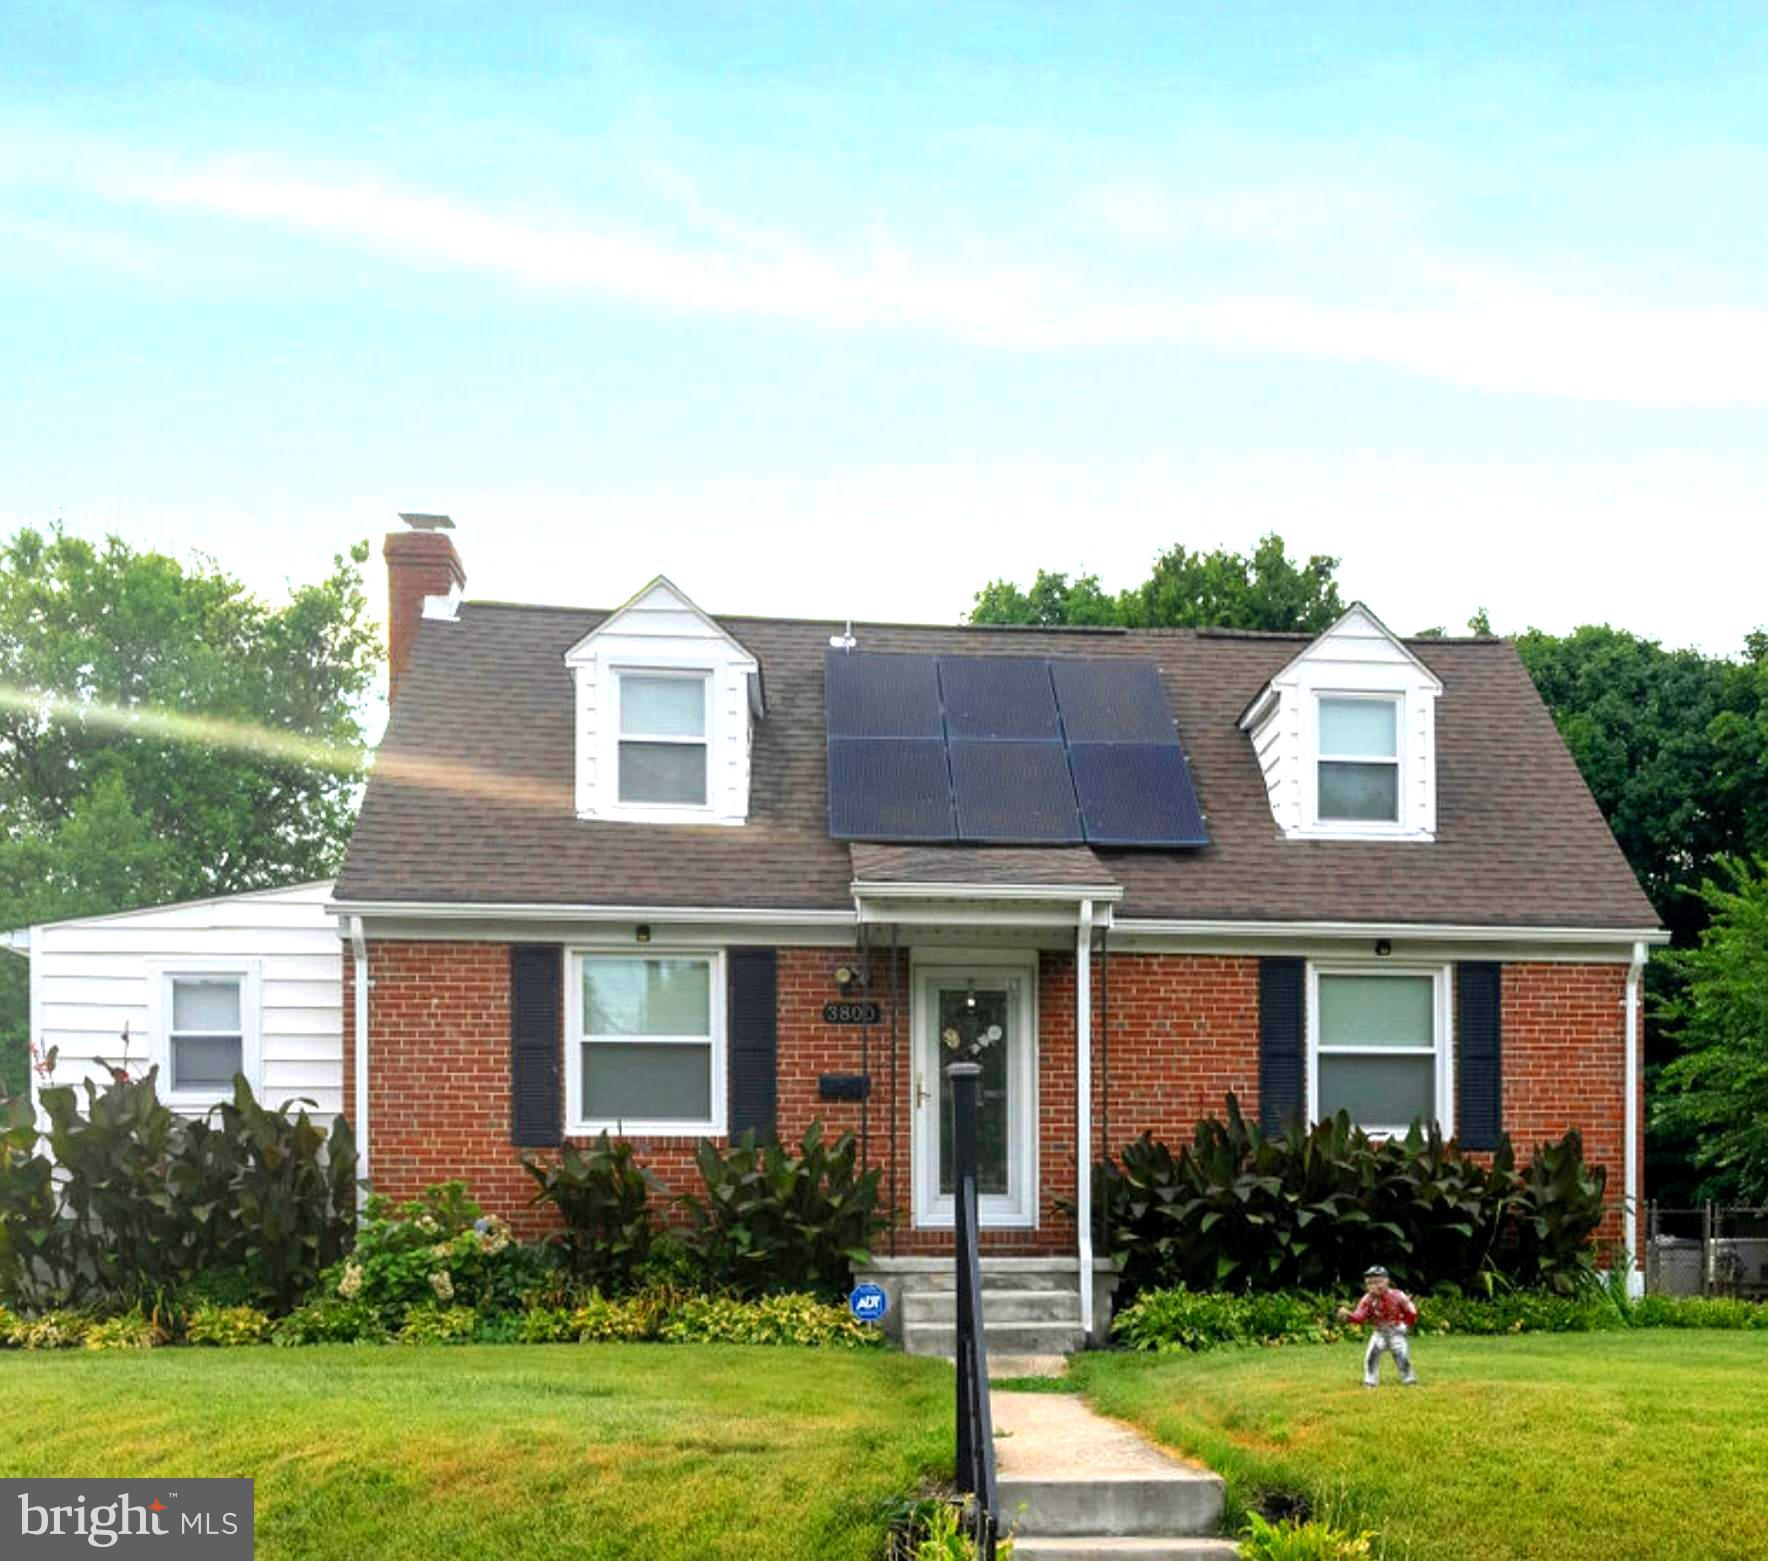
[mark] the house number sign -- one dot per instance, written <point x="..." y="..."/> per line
<point x="851" y="1013"/>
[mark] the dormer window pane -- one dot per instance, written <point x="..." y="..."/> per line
<point x="663" y="740"/>
<point x="1359" y="776"/>
<point x="662" y="707"/>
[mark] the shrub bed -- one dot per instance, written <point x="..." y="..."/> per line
<point x="1310" y="1208"/>
<point x="1182" y="1319"/>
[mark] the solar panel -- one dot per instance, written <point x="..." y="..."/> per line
<point x="889" y="788"/>
<point x="876" y="694"/>
<point x="1107" y="700"/>
<point x="1136" y="794"/>
<point x="998" y="696"/>
<point x="1011" y="792"/>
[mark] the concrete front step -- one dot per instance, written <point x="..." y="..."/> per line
<point x="1051" y="1338"/>
<point x="998" y="1306"/>
<point x="1066" y="1472"/>
<point x="1175" y="1505"/>
<point x="1054" y="1548"/>
<point x="945" y="1279"/>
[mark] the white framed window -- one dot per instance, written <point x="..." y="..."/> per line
<point x="662" y="742"/>
<point x="647" y="1043"/>
<point x="1357" y="769"/>
<point x="1378" y="1045"/>
<point x="205" y="1030"/>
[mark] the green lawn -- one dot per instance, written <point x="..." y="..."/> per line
<point x="601" y="1450"/>
<point x="1558" y="1447"/>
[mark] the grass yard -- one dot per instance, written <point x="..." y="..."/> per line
<point x="1556" y="1447"/>
<point x="603" y="1450"/>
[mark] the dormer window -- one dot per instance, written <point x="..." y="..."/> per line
<point x="666" y="703"/>
<point x="662" y="742"/>
<point x="1345" y="733"/>
<point x="1358" y="780"/>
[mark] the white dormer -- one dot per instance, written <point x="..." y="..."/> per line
<point x="1346" y="736"/>
<point x="666" y="709"/>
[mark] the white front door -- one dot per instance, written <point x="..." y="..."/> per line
<point x="983" y="1014"/>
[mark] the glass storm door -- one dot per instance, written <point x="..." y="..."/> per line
<point x="975" y="1016"/>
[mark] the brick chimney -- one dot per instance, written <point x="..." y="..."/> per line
<point x="421" y="563"/>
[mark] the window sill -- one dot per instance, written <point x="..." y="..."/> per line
<point x="637" y="813"/>
<point x="1401" y="833"/>
<point x="645" y="1129"/>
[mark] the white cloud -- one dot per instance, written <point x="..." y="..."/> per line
<point x="1483" y="330"/>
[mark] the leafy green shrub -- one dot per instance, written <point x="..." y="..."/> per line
<point x="63" y="1329"/>
<point x="1697" y="1311"/>
<point x="1310" y="1208"/>
<point x="331" y="1320"/>
<point x="1184" y="1319"/>
<point x="123" y="1200"/>
<point x="1519" y="1311"/>
<point x="775" y="1319"/>
<point x="772" y="1220"/>
<point x="226" y="1325"/>
<point x="600" y="1320"/>
<point x="428" y="1323"/>
<point x="1291" y="1541"/>
<point x="131" y="1330"/>
<point x="604" y="1196"/>
<point x="934" y="1529"/>
<point x="544" y="1325"/>
<point x="439" y="1247"/>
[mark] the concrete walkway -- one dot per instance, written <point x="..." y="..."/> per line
<point x="1075" y="1486"/>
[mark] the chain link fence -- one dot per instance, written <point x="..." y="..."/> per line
<point x="1716" y="1249"/>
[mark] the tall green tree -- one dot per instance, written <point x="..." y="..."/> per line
<point x="1713" y="1095"/>
<point x="1265" y="589"/>
<point x="166" y="734"/>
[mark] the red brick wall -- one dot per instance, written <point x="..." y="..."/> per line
<point x="1183" y="1032"/>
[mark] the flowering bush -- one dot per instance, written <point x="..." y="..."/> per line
<point x="438" y="1249"/>
<point x="226" y="1325"/>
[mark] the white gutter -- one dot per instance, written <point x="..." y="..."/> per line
<point x="1630" y="1153"/>
<point x="18" y="942"/>
<point x="443" y="911"/>
<point x="1083" y="1108"/>
<point x="1131" y="927"/>
<point x="359" y="948"/>
<point x="1066" y="893"/>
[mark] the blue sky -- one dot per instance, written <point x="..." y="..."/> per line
<point x="838" y="310"/>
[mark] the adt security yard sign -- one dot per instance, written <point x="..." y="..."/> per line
<point x="868" y="1303"/>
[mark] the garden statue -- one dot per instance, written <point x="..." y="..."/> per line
<point x="1389" y="1312"/>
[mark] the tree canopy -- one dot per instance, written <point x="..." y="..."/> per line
<point x="1265" y="589"/>
<point x="1713" y="1096"/>
<point x="165" y="734"/>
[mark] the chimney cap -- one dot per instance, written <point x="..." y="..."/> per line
<point x="427" y="522"/>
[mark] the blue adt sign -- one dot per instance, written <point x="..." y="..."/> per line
<point x="868" y="1303"/>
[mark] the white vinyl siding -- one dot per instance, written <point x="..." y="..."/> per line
<point x="93" y="977"/>
<point x="647" y="1043"/>
<point x="1378" y="1046"/>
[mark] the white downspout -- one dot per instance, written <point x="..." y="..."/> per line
<point x="359" y="949"/>
<point x="1083" y="1109"/>
<point x="1630" y="1152"/>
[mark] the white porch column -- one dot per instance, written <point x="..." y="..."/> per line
<point x="1083" y="1107"/>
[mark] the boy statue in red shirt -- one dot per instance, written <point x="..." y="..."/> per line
<point x="1390" y="1313"/>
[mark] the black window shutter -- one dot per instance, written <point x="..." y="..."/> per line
<point x="1282" y="1041"/>
<point x="536" y="1045"/>
<point x="754" y="1040"/>
<point x="1480" y="1029"/>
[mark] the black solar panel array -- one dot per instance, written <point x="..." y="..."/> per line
<point x="1005" y="750"/>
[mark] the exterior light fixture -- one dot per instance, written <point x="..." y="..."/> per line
<point x="643" y="932"/>
<point x="1383" y="948"/>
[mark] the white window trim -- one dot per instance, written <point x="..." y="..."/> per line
<point x="1442" y="978"/>
<point x="1358" y="828"/>
<point x="658" y="812"/>
<point x="577" y="1125"/>
<point x="161" y="974"/>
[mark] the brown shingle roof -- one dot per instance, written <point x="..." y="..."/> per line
<point x="472" y="797"/>
<point x="1046" y="866"/>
